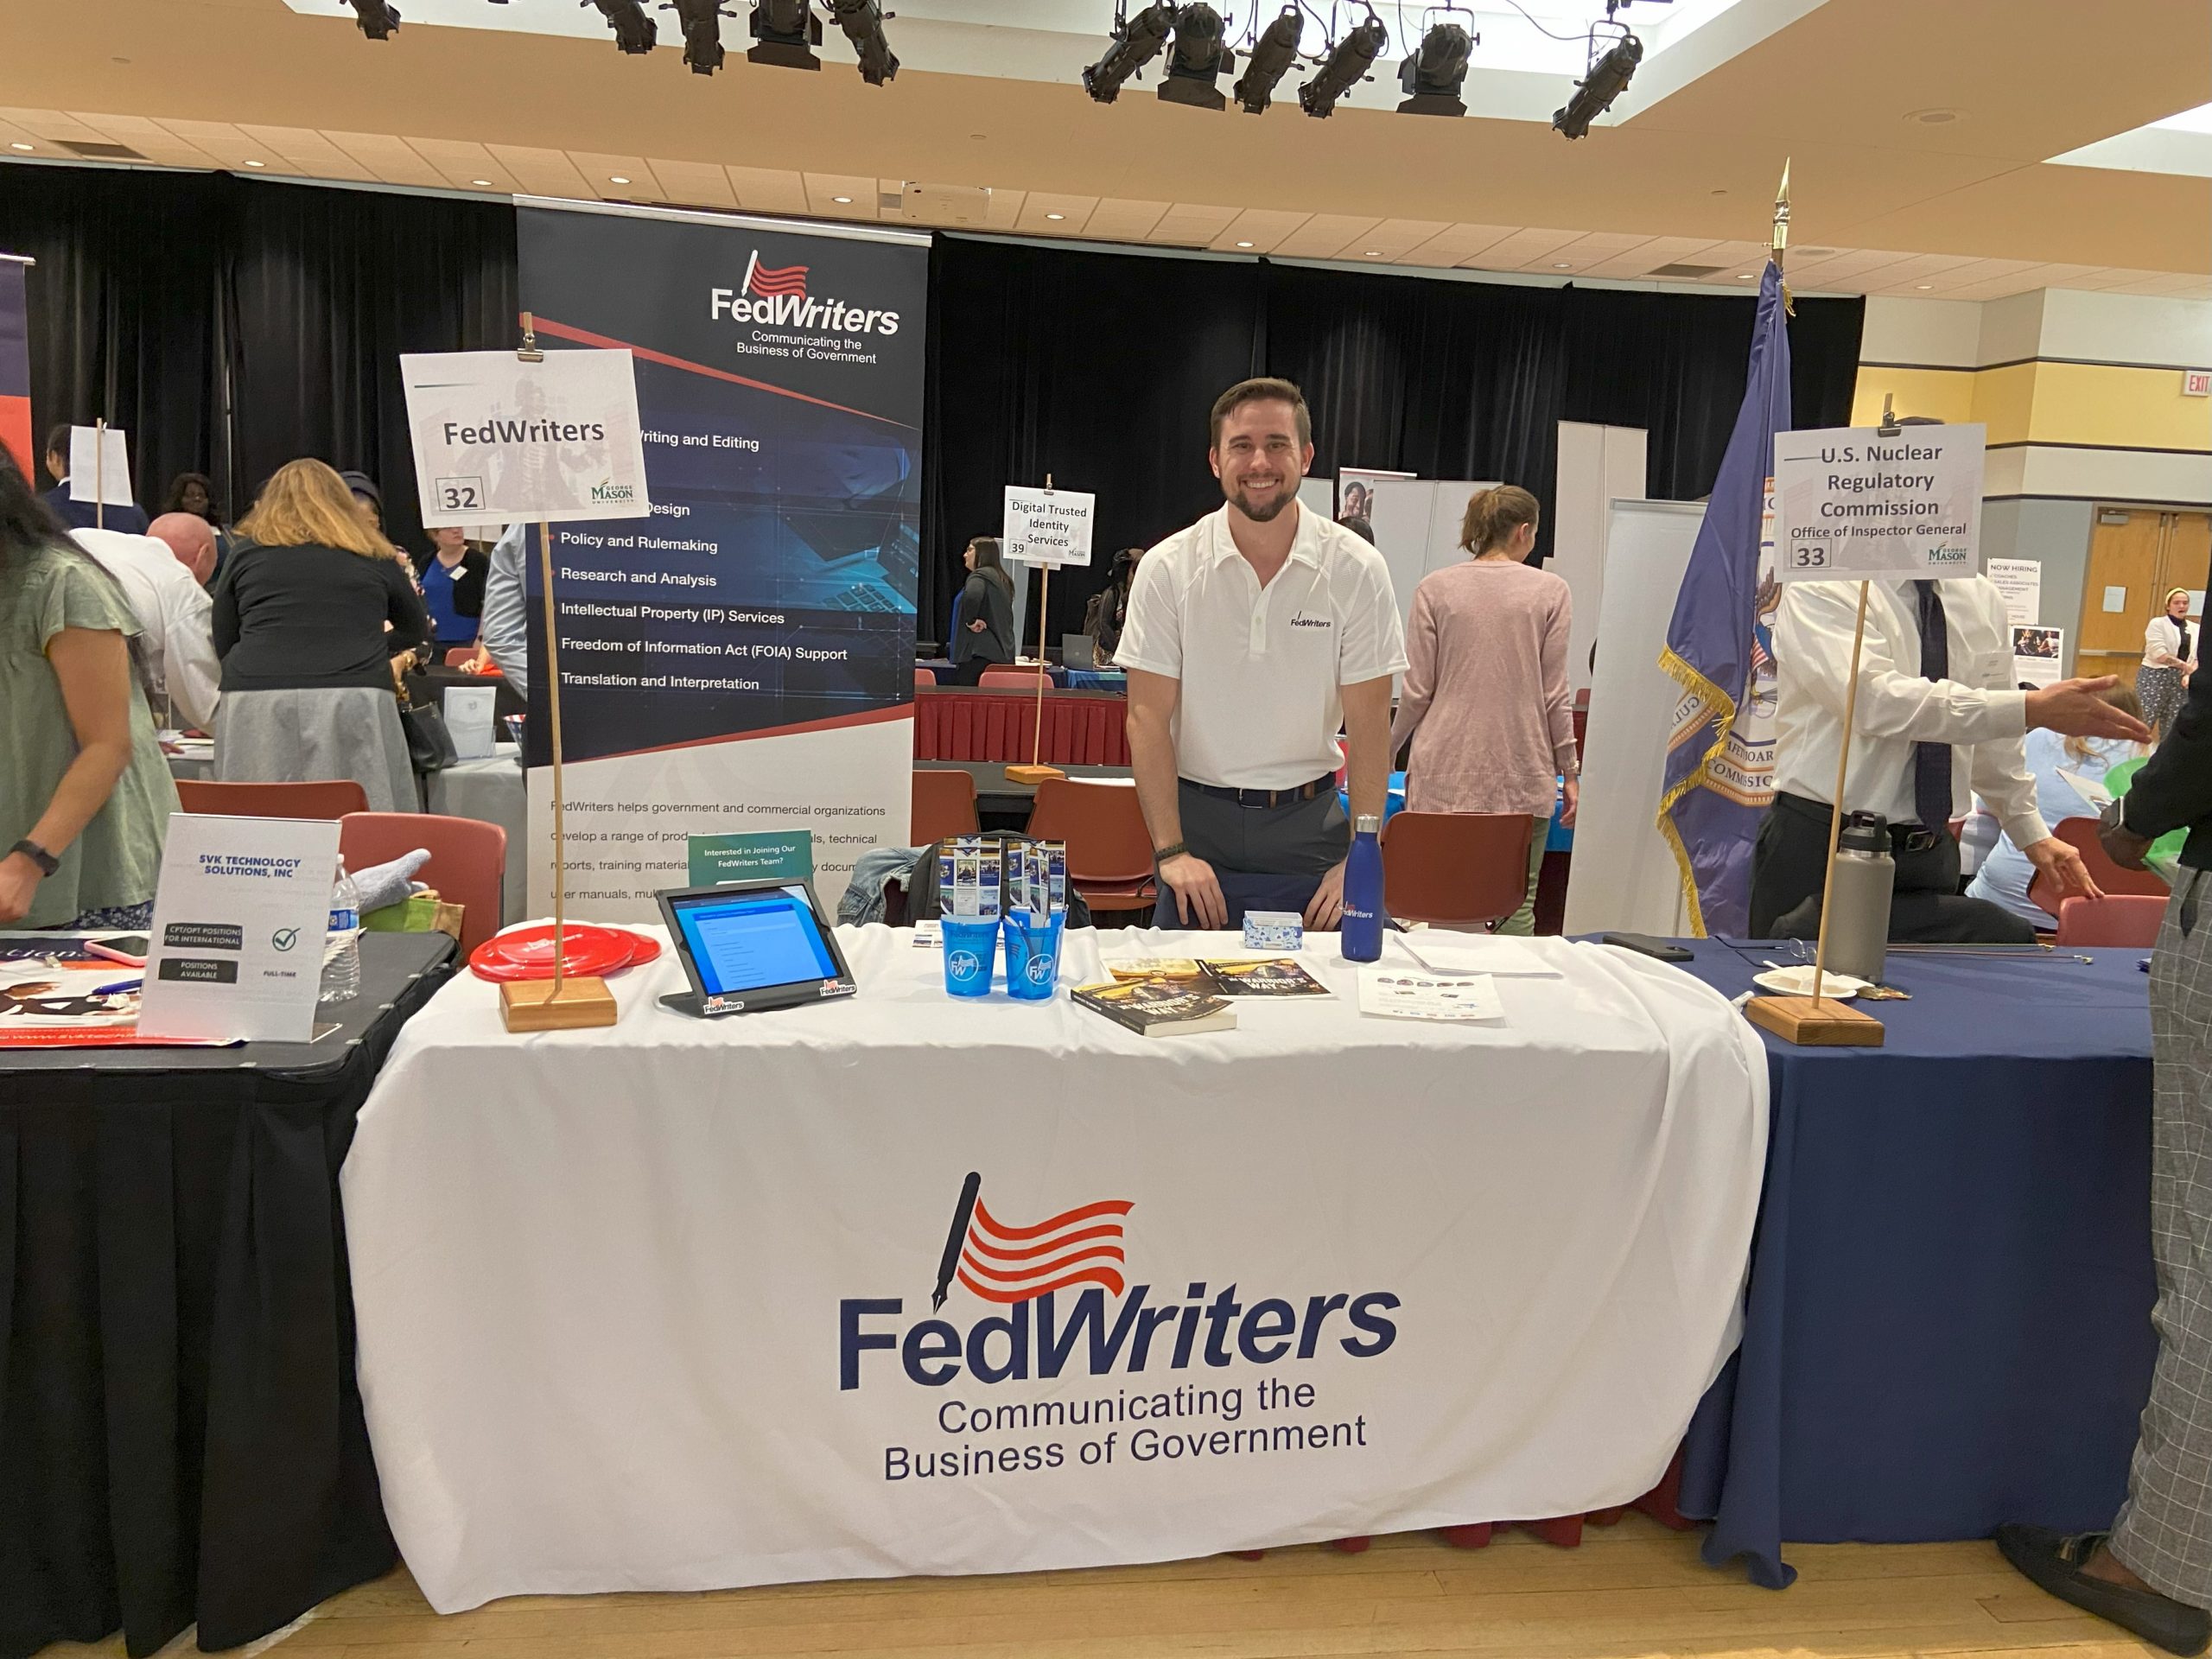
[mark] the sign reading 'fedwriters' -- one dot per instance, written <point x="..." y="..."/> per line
<point x="553" y="442"/>
<point x="240" y="920"/>
<point x="1852" y="503"/>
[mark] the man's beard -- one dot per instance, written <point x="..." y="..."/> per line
<point x="1241" y="500"/>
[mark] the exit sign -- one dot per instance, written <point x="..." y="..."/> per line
<point x="2197" y="382"/>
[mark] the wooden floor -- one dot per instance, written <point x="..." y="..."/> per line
<point x="1630" y="1591"/>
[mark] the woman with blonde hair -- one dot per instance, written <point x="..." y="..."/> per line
<point x="2168" y="658"/>
<point x="1486" y="701"/>
<point x="300" y="621"/>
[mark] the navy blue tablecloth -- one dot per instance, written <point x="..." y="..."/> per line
<point x="1947" y="1323"/>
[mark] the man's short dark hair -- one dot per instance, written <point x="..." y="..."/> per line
<point x="57" y="440"/>
<point x="1266" y="389"/>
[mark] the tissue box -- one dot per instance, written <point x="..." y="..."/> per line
<point x="1274" y="930"/>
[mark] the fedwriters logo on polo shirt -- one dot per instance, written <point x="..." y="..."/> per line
<point x="1307" y="620"/>
<point x="1023" y="1268"/>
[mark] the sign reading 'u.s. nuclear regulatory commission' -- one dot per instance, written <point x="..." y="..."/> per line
<point x="1851" y="503"/>
<point x="497" y="438"/>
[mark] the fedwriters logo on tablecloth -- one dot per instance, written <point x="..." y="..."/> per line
<point x="1020" y="1271"/>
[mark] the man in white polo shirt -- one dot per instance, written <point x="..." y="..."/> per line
<point x="1251" y="638"/>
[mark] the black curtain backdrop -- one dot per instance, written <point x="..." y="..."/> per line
<point x="230" y="325"/>
<point x="1100" y="368"/>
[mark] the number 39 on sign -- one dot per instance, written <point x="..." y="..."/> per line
<point x="459" y="494"/>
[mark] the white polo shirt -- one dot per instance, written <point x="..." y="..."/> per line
<point x="1260" y="667"/>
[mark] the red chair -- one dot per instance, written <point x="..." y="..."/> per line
<point x="1455" y="868"/>
<point x="2080" y="833"/>
<point x="2127" y="919"/>
<point x="468" y="860"/>
<point x="323" y="798"/>
<point x="925" y="677"/>
<point x="1110" y="850"/>
<point x="460" y="656"/>
<point x="943" y="805"/>
<point x="1012" y="679"/>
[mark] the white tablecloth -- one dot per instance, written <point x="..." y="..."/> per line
<point x="648" y="1307"/>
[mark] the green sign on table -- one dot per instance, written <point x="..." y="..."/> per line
<point x="775" y="855"/>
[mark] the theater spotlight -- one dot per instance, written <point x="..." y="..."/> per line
<point x="378" y="21"/>
<point x="1197" y="58"/>
<point x="1270" y="61"/>
<point x="1135" y="43"/>
<point x="1432" y="77"/>
<point x="784" y="30"/>
<point x="862" y="22"/>
<point x="702" y="22"/>
<point x="1595" y="92"/>
<point x="1347" y="65"/>
<point x="634" y="32"/>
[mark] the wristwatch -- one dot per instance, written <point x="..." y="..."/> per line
<point x="1161" y="855"/>
<point x="46" y="862"/>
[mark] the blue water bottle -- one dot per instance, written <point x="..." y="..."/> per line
<point x="1361" y="933"/>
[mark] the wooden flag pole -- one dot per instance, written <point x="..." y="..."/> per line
<point x="561" y="1003"/>
<point x="1036" y="771"/>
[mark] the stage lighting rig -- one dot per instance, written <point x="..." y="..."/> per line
<point x="1346" y="66"/>
<point x="1198" y="59"/>
<point x="702" y="22"/>
<point x="1595" y="92"/>
<point x="1270" y="61"/>
<point x="634" y="32"/>
<point x="379" y="19"/>
<point x="784" y="30"/>
<point x="1431" y="76"/>
<point x="862" y="22"/>
<point x="1136" y="42"/>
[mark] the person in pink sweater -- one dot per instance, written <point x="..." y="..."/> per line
<point x="1486" y="701"/>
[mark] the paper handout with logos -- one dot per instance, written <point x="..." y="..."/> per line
<point x="238" y="924"/>
<point x="468" y="710"/>
<point x="557" y="442"/>
<point x="1851" y="504"/>
<point x="1048" y="526"/>
<point x="99" y="465"/>
<point x="2021" y="582"/>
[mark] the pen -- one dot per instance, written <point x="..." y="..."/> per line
<point x="119" y="986"/>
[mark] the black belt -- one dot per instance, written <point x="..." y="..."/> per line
<point x="1267" y="797"/>
<point x="1904" y="837"/>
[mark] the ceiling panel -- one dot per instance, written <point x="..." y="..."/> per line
<point x="840" y="195"/>
<point x="1191" y="225"/>
<point x="1584" y="252"/>
<point x="392" y="159"/>
<point x="1116" y="220"/>
<point x="464" y="165"/>
<point x="1325" y="236"/>
<point x="695" y="184"/>
<point x="1455" y="244"/>
<point x="229" y="145"/>
<point x="1044" y="213"/>
<point x="1259" y="230"/>
<point x="1393" y="238"/>
<point x="52" y="126"/>
<point x="1641" y="260"/>
<point x="615" y="178"/>
<point x="541" y="172"/>
<point x="766" y="190"/>
<point x="158" y="144"/>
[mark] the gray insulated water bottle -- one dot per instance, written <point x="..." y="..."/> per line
<point x="1859" y="922"/>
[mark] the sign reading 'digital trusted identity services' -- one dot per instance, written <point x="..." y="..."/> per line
<point x="496" y="438"/>
<point x="1851" y="503"/>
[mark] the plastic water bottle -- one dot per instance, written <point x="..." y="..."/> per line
<point x="342" y="950"/>
<point x="1361" y="932"/>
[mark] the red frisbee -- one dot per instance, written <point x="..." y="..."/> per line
<point x="594" y="952"/>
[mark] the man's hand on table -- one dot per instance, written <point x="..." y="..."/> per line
<point x="2055" y="859"/>
<point x="1198" y="892"/>
<point x="1326" y="908"/>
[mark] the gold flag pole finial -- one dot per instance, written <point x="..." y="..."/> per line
<point x="1780" y="246"/>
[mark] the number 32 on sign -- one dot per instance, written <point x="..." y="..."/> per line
<point x="1851" y="503"/>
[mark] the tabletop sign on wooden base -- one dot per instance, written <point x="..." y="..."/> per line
<point x="553" y="438"/>
<point x="1866" y="503"/>
<point x="1045" y="528"/>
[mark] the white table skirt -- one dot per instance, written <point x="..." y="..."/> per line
<point x="648" y="1307"/>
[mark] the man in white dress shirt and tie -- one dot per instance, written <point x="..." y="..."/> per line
<point x="1938" y="720"/>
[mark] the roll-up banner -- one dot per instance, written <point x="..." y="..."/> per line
<point x="742" y="659"/>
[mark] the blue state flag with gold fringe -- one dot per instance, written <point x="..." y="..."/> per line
<point x="1719" y="776"/>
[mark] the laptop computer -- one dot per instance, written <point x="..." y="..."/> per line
<point x="1076" y="650"/>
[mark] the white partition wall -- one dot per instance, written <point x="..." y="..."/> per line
<point x="1598" y="466"/>
<point x="1624" y="877"/>
<point x="1416" y="524"/>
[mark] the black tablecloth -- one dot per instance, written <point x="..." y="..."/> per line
<point x="181" y="1437"/>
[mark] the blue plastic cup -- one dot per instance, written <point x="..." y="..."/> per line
<point x="971" y="948"/>
<point x="1033" y="958"/>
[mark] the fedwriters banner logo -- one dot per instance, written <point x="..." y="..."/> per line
<point x="777" y="295"/>
<point x="1106" y="1327"/>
